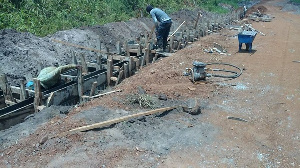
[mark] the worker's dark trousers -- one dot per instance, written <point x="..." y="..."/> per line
<point x="163" y="33"/>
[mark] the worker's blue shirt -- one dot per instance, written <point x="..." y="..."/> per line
<point x="159" y="15"/>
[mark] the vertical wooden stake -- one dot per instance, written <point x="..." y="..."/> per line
<point x="137" y="64"/>
<point x="99" y="62"/>
<point x="118" y="46"/>
<point x="23" y="92"/>
<point x="196" y="24"/>
<point x="6" y="88"/>
<point x="126" y="69"/>
<point x="74" y="60"/>
<point x="37" y="94"/>
<point x="109" y="71"/>
<point x="147" y="54"/>
<point x="80" y="84"/>
<point x="171" y="43"/>
<point x="127" y="49"/>
<point x="120" y="76"/>
<point x="93" y="89"/>
<point x="131" y="63"/>
<point x="83" y="64"/>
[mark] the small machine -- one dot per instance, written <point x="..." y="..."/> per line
<point x="222" y="70"/>
<point x="197" y="72"/>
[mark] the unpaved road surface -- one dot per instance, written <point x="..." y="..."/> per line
<point x="266" y="97"/>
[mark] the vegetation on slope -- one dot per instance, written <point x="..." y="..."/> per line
<point x="42" y="17"/>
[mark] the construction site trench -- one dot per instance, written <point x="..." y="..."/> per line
<point x="151" y="112"/>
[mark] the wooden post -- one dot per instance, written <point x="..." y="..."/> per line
<point x="99" y="62"/>
<point x="37" y="94"/>
<point x="6" y="88"/>
<point x="147" y="54"/>
<point x="126" y="69"/>
<point x="109" y="71"/>
<point x="74" y="60"/>
<point x="131" y="62"/>
<point x="118" y="46"/>
<point x="171" y="44"/>
<point x="127" y="49"/>
<point x="137" y="64"/>
<point x="83" y="64"/>
<point x="93" y="89"/>
<point x="80" y="84"/>
<point x="120" y="76"/>
<point x="196" y="24"/>
<point x="23" y="93"/>
<point x="139" y="50"/>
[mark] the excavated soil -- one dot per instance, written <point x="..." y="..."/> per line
<point x="249" y="121"/>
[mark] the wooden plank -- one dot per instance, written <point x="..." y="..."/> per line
<point x="117" y="120"/>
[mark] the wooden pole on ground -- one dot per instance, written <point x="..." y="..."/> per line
<point x="117" y="120"/>
<point x="37" y="94"/>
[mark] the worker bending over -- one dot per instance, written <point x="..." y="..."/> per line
<point x="162" y="28"/>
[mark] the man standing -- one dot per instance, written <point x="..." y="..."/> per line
<point x="162" y="29"/>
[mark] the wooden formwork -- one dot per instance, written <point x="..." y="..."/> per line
<point x="82" y="84"/>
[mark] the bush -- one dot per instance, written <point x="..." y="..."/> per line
<point x="43" y="17"/>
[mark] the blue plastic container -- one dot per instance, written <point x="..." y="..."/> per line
<point x="246" y="37"/>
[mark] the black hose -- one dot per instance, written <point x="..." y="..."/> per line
<point x="236" y="74"/>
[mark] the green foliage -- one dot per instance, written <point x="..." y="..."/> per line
<point x="296" y="1"/>
<point x="43" y="17"/>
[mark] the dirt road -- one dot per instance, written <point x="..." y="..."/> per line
<point x="266" y="97"/>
